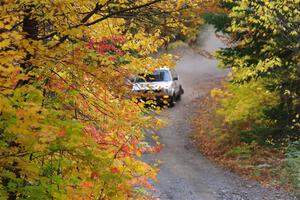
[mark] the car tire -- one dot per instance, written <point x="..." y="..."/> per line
<point x="172" y="101"/>
<point x="181" y="90"/>
<point x="178" y="97"/>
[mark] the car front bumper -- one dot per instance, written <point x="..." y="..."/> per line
<point x="160" y="98"/>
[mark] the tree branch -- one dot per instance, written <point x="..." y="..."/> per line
<point x="121" y="11"/>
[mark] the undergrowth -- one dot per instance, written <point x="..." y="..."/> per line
<point x="230" y="131"/>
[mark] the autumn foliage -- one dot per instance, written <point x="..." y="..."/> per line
<point x="255" y="115"/>
<point x="70" y="127"/>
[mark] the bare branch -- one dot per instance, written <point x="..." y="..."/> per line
<point x="121" y="11"/>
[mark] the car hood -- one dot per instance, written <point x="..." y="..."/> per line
<point x="151" y="86"/>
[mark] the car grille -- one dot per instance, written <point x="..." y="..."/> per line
<point x="150" y="91"/>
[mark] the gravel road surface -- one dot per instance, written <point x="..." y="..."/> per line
<point x="186" y="174"/>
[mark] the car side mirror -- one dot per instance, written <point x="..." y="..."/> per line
<point x="131" y="79"/>
<point x="175" y="78"/>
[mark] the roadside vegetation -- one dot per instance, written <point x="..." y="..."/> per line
<point x="251" y="122"/>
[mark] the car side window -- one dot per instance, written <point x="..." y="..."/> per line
<point x="167" y="76"/>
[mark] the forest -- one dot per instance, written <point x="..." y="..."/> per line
<point x="71" y="128"/>
<point x="253" y="115"/>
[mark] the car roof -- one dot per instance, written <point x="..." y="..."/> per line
<point x="163" y="68"/>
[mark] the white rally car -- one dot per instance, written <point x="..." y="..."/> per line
<point x="163" y="83"/>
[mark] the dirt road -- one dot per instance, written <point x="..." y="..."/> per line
<point x="185" y="173"/>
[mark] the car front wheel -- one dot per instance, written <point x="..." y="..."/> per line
<point x="172" y="101"/>
<point x="181" y="91"/>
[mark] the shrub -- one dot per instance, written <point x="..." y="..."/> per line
<point x="242" y="108"/>
<point x="290" y="173"/>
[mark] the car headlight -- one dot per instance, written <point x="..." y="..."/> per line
<point x="167" y="89"/>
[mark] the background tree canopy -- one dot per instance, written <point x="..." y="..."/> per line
<point x="260" y="105"/>
<point x="265" y="47"/>
<point x="70" y="127"/>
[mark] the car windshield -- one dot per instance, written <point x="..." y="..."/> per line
<point x="157" y="76"/>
